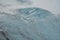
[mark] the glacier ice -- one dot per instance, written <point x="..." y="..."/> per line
<point x="30" y="24"/>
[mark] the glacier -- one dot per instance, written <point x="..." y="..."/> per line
<point x="30" y="24"/>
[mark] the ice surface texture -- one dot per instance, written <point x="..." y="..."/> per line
<point x="31" y="24"/>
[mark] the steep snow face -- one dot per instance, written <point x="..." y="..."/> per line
<point x="30" y="24"/>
